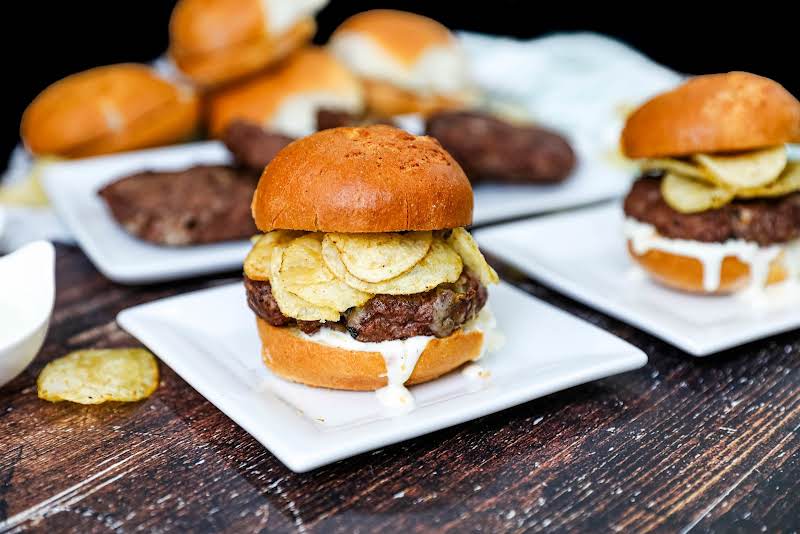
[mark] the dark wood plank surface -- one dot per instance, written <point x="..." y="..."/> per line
<point x="684" y="444"/>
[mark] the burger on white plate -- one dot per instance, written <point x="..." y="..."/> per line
<point x="365" y="277"/>
<point x="717" y="208"/>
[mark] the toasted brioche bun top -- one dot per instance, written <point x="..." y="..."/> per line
<point x="713" y="113"/>
<point x="370" y="179"/>
<point x="403" y="35"/>
<point x="206" y="26"/>
<point x="90" y="105"/>
<point x="311" y="72"/>
<point x="410" y="51"/>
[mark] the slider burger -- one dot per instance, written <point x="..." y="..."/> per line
<point x="365" y="278"/>
<point x="409" y="63"/>
<point x="286" y="100"/>
<point x="214" y="42"/>
<point x="108" y="109"/>
<point x="717" y="208"/>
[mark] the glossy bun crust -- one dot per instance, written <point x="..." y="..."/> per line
<point x="369" y="179"/>
<point x="713" y="113"/>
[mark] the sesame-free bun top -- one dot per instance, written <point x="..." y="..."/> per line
<point x="108" y="109"/>
<point x="410" y="51"/>
<point x="369" y="179"/>
<point x="286" y="99"/>
<point x="216" y="41"/>
<point x="713" y="113"/>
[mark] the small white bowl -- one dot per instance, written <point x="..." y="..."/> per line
<point x="27" y="293"/>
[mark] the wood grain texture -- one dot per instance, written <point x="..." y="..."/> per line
<point x="681" y="445"/>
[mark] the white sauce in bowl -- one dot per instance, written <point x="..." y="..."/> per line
<point x="644" y="237"/>
<point x="401" y="356"/>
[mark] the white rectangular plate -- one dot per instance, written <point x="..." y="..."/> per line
<point x="209" y="338"/>
<point x="72" y="188"/>
<point x="583" y="254"/>
<point x="594" y="179"/>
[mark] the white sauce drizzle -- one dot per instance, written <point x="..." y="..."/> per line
<point x="474" y="371"/>
<point x="644" y="237"/>
<point x="401" y="356"/>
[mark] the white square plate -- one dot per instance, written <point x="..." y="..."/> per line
<point x="72" y="188"/>
<point x="594" y="179"/>
<point x="209" y="338"/>
<point x="583" y="254"/>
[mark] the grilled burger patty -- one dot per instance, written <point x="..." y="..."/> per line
<point x="765" y="221"/>
<point x="251" y="145"/>
<point x="488" y="148"/>
<point x="438" y="312"/>
<point x="201" y="204"/>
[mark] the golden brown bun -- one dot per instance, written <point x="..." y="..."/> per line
<point x="713" y="113"/>
<point x="108" y="109"/>
<point x="310" y="69"/>
<point x="216" y="41"/>
<point x="686" y="274"/>
<point x="315" y="364"/>
<point x="369" y="179"/>
<point x="403" y="35"/>
<point x="384" y="100"/>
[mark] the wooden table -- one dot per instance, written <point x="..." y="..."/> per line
<point x="682" y="444"/>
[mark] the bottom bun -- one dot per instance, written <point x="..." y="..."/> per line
<point x="384" y="100"/>
<point x="686" y="273"/>
<point x="302" y="360"/>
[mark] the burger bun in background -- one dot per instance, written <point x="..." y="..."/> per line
<point x="109" y="109"/>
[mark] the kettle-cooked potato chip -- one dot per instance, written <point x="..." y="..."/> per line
<point x="462" y="242"/>
<point x="290" y="304"/>
<point x="677" y="166"/>
<point x="304" y="273"/>
<point x="302" y="262"/>
<point x="440" y="265"/>
<point x="787" y="182"/>
<point x="692" y="196"/>
<point x="381" y="256"/>
<point x="257" y="264"/>
<point x="97" y="376"/>
<point x="748" y="169"/>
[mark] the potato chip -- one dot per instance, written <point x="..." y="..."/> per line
<point x="677" y="166"/>
<point x="379" y="257"/>
<point x="257" y="264"/>
<point x="304" y="273"/>
<point x="97" y="376"/>
<point x="787" y="182"/>
<point x="440" y="265"/>
<point x="290" y="304"/>
<point x="691" y="196"/>
<point x="465" y="246"/>
<point x="302" y="262"/>
<point x="749" y="169"/>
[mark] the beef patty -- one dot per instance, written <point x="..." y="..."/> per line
<point x="202" y="204"/>
<point x="438" y="312"/>
<point x="765" y="221"/>
<point x="251" y="146"/>
<point x="491" y="149"/>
